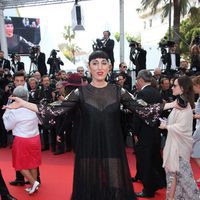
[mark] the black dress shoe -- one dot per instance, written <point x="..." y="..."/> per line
<point x="8" y="197"/>
<point x="68" y="149"/>
<point x="143" y="195"/>
<point x="45" y="148"/>
<point x="58" y="152"/>
<point x="17" y="183"/>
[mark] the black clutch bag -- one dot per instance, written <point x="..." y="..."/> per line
<point x="182" y="102"/>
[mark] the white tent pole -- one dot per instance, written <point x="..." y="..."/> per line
<point x="121" y="2"/>
<point x="4" y="46"/>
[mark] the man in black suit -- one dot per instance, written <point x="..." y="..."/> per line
<point x="171" y="60"/>
<point x="108" y="46"/>
<point x="40" y="62"/>
<point x="16" y="64"/>
<point x="147" y="138"/>
<point x="4" y="63"/>
<point x="138" y="56"/>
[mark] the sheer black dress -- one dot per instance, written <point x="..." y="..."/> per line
<point x="101" y="170"/>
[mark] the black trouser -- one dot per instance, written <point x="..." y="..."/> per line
<point x="3" y="188"/>
<point x="3" y="134"/>
<point x="149" y="163"/>
<point x="20" y="177"/>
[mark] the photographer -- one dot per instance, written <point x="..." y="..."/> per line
<point x="40" y="62"/>
<point x="4" y="63"/>
<point x="107" y="45"/>
<point x="54" y="62"/>
<point x="195" y="59"/>
<point x="171" y="59"/>
<point x="137" y="56"/>
<point x="16" y="64"/>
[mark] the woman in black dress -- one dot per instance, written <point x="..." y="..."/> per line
<point x="101" y="169"/>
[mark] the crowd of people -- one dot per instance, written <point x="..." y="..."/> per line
<point x="67" y="111"/>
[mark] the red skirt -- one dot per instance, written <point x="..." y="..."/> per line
<point x="26" y="152"/>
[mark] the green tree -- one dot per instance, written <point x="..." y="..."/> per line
<point x="180" y="8"/>
<point x="189" y="29"/>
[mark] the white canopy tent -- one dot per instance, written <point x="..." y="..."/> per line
<point x="8" y="4"/>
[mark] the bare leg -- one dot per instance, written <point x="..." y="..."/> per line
<point x="27" y="174"/>
<point x="34" y="173"/>
<point x="171" y="186"/>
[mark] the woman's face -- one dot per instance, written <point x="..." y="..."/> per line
<point x="9" y="30"/>
<point x="177" y="90"/>
<point x="99" y="69"/>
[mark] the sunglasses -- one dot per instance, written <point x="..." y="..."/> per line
<point x="124" y="66"/>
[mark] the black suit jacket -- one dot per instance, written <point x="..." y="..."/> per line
<point x="147" y="135"/>
<point x="5" y="64"/>
<point x="42" y="68"/>
<point x="167" y="60"/>
<point x="108" y="48"/>
<point x="139" y="60"/>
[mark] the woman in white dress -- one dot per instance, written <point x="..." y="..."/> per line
<point x="196" y="135"/>
<point x="178" y="147"/>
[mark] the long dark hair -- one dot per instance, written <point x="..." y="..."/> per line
<point x="186" y="83"/>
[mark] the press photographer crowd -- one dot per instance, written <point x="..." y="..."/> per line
<point x="173" y="79"/>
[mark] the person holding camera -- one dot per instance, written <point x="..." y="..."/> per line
<point x="137" y="56"/>
<point x="171" y="60"/>
<point x="16" y="64"/>
<point x="4" y="63"/>
<point x="54" y="62"/>
<point x="41" y="61"/>
<point x="107" y="45"/>
<point x="195" y="59"/>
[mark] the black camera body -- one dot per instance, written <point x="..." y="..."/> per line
<point x="54" y="53"/>
<point x="57" y="94"/>
<point x="33" y="53"/>
<point x="134" y="46"/>
<point x="98" y="45"/>
<point x="11" y="87"/>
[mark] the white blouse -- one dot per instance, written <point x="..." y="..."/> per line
<point x="22" y="122"/>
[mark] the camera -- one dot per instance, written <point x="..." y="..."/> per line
<point x="57" y="94"/>
<point x="11" y="87"/>
<point x="54" y="53"/>
<point x="33" y="53"/>
<point x="98" y="45"/>
<point x="12" y="56"/>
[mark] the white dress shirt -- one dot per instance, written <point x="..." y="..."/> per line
<point x="22" y="122"/>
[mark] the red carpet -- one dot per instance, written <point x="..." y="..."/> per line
<point x="56" y="176"/>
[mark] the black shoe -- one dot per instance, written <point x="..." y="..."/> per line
<point x="8" y="197"/>
<point x="144" y="195"/>
<point x="27" y="182"/>
<point x="58" y="152"/>
<point x="161" y="186"/>
<point x="17" y="183"/>
<point x="68" y="149"/>
<point x="45" y="148"/>
<point x="134" y="179"/>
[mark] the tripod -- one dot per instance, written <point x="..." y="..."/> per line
<point x="33" y="67"/>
